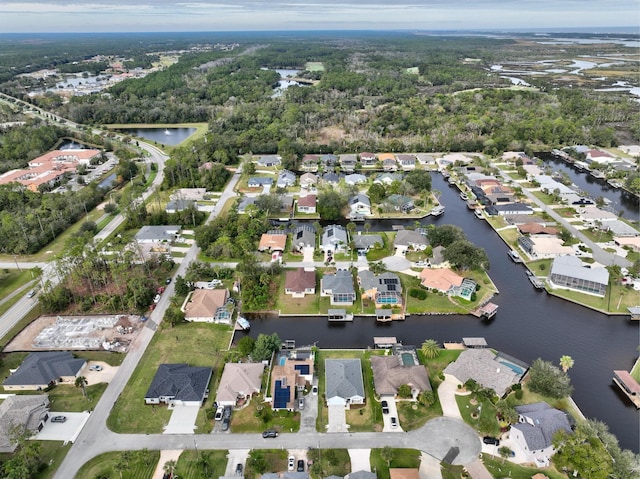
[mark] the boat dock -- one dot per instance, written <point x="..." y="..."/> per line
<point x="339" y="315"/>
<point x="487" y="311"/>
<point x="437" y="211"/>
<point x="384" y="342"/>
<point x="515" y="257"/>
<point x="628" y="385"/>
<point x="535" y="281"/>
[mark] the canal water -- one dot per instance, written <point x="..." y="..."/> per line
<point x="164" y="136"/>
<point x="529" y="324"/>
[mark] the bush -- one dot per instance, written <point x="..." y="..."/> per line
<point x="418" y="293"/>
<point x="519" y="394"/>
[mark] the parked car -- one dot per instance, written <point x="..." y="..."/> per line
<point x="95" y="367"/>
<point x="394" y="422"/>
<point x="219" y="411"/>
<point x="226" y="413"/>
<point x="385" y="407"/>
<point x="292" y="463"/>
<point x="31" y="293"/>
<point x="301" y="403"/>
<point x="300" y="467"/>
<point x="314" y="390"/>
<point x="168" y="281"/>
<point x="160" y="290"/>
<point x="238" y="469"/>
<point x="225" y="423"/>
<point x="491" y="440"/>
<point x="269" y="433"/>
<point x="58" y="418"/>
<point x="156" y="299"/>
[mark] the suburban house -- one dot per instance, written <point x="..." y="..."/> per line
<point x="174" y="206"/>
<point x="368" y="159"/>
<point x="339" y="287"/>
<point x="269" y="160"/>
<point x="244" y="203"/>
<point x="307" y="204"/>
<point x="534" y="431"/>
<point x="359" y="205"/>
<point x="239" y="382"/>
<point x="328" y="159"/>
<point x="286" y="178"/>
<point x="437" y="258"/>
<point x="300" y="282"/>
<point x="156" y="235"/>
<point x="544" y="246"/>
<point x="303" y="236"/>
<point x="260" y="182"/>
<point x="331" y="178"/>
<point x="406" y="162"/>
<point x="179" y="384"/>
<point x="274" y="240"/>
<point x="537" y="229"/>
<point x="388" y="161"/>
<point x="291" y="373"/>
<point x="334" y="239"/>
<point x="355" y="179"/>
<point x="41" y="369"/>
<point x="206" y="306"/>
<point x="308" y="180"/>
<point x="568" y="272"/>
<point x="344" y="385"/>
<point x="406" y="240"/>
<point x="348" y="162"/>
<point x="486" y="368"/>
<point x="310" y="163"/>
<point x="399" y="203"/>
<point x="390" y="372"/>
<point x="387" y="178"/>
<point x="385" y="288"/>
<point x="364" y="243"/>
<point x="447" y="281"/>
<point x="26" y="414"/>
<point x="513" y="209"/>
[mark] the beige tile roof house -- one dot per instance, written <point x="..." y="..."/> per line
<point x="442" y="279"/>
<point x="273" y="242"/>
<point x="300" y="282"/>
<point x="202" y="305"/>
<point x="239" y="381"/>
<point x="404" y="473"/>
<point x="389" y="374"/>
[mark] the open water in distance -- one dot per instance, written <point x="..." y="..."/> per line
<point x="530" y="324"/>
<point x="164" y="136"/>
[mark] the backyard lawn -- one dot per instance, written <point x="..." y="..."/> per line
<point x="198" y="464"/>
<point x="197" y="344"/>
<point x="400" y="458"/>
<point x="121" y="465"/>
<point x="500" y="468"/>
<point x="265" y="460"/>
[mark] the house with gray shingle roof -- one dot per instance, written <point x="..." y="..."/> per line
<point x="389" y="373"/>
<point x="157" y="234"/>
<point x="303" y="236"/>
<point x="269" y="160"/>
<point x="26" y="413"/>
<point x="361" y="475"/>
<point x="174" y="206"/>
<point x="348" y="162"/>
<point x="568" y="272"/>
<point x="245" y="202"/>
<point x="385" y="288"/>
<point x="355" y="179"/>
<point x="344" y="385"/>
<point x="399" y="203"/>
<point x="409" y="239"/>
<point x="537" y="424"/>
<point x="41" y="369"/>
<point x="179" y="384"/>
<point x="334" y="238"/>
<point x="331" y="178"/>
<point x="484" y="367"/>
<point x="286" y="178"/>
<point x="388" y="178"/>
<point x="359" y="205"/>
<point x="328" y="159"/>
<point x="259" y="182"/>
<point x="363" y="243"/>
<point x="339" y="287"/>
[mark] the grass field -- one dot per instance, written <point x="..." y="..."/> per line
<point x="264" y="460"/>
<point x="121" y="465"/>
<point x="198" y="344"/>
<point x="13" y="279"/>
<point x="400" y="458"/>
<point x="26" y="320"/>
<point x="201" y="464"/>
<point x="257" y="417"/>
<point x="499" y="468"/>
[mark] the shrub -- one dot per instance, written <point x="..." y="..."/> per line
<point x="418" y="293"/>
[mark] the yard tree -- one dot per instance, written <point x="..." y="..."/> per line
<point x="245" y="346"/>
<point x="444" y="235"/>
<point x="430" y="349"/>
<point x="504" y="452"/>
<point x="265" y="346"/>
<point x="81" y="382"/>
<point x="582" y="454"/>
<point x="404" y="391"/>
<point x="549" y="380"/>
<point x="566" y="363"/>
<point x="331" y="205"/>
<point x="420" y="180"/>
<point x="465" y="255"/>
<point x="386" y="453"/>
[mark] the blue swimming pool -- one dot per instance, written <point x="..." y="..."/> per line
<point x="282" y="361"/>
<point x="515" y="368"/>
<point x="407" y="359"/>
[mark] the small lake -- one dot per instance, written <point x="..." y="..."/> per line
<point x="163" y="136"/>
<point x="283" y="84"/>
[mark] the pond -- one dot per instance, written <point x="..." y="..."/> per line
<point x="164" y="136"/>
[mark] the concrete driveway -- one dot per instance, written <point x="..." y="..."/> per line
<point x="337" y="419"/>
<point x="309" y="414"/>
<point x="447" y="395"/>
<point x="393" y="412"/>
<point x="183" y="420"/>
<point x="63" y="431"/>
<point x="307" y="254"/>
<point x="104" y="376"/>
<point x="396" y="263"/>
<point x="235" y="457"/>
<point x="360" y="459"/>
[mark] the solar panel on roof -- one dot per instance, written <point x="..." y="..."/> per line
<point x="391" y="287"/>
<point x="302" y="368"/>
<point x="281" y="395"/>
<point x="390" y="280"/>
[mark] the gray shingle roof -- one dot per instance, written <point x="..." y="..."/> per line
<point x="539" y="422"/>
<point x="43" y="368"/>
<point x="343" y="378"/>
<point x="260" y="180"/>
<point x="25" y="412"/>
<point x="481" y="366"/>
<point x="383" y="283"/>
<point x="157" y="233"/>
<point x="181" y="381"/>
<point x="334" y="234"/>
<point x="573" y="267"/>
<point x="410" y="237"/>
<point x="360" y="198"/>
<point x="366" y="241"/>
<point x="339" y="283"/>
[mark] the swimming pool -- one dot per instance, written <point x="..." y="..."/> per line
<point x="407" y="359"/>
<point x="515" y="368"/>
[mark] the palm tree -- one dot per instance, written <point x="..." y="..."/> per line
<point x="81" y="382"/>
<point x="430" y="348"/>
<point x="566" y="363"/>
<point x="170" y="467"/>
<point x="387" y="455"/>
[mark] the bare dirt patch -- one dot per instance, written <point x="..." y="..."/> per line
<point x="80" y="333"/>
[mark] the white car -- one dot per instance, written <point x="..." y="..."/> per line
<point x="292" y="464"/>
<point x="95" y="367"/>
<point x="156" y="299"/>
<point x="219" y="413"/>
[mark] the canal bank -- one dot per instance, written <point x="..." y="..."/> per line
<point x="528" y="325"/>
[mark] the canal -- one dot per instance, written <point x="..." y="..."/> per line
<point x="530" y="324"/>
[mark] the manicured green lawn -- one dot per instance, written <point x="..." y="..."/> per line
<point x="121" y="465"/>
<point x="483" y="419"/>
<point x="13" y="279"/>
<point x="498" y="468"/>
<point x="265" y="460"/>
<point x="617" y="299"/>
<point x="287" y="304"/>
<point x="23" y="323"/>
<point x="327" y="462"/>
<point x="198" y="344"/>
<point x="201" y="464"/>
<point x="413" y="415"/>
<point x="258" y="416"/>
<point x="635" y="371"/>
<point x="69" y="398"/>
<point x="400" y="458"/>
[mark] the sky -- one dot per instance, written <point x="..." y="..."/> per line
<point x="17" y="16"/>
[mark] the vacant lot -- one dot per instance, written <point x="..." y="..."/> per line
<point x="197" y="344"/>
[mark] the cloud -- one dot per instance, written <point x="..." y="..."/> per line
<point x="159" y="15"/>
